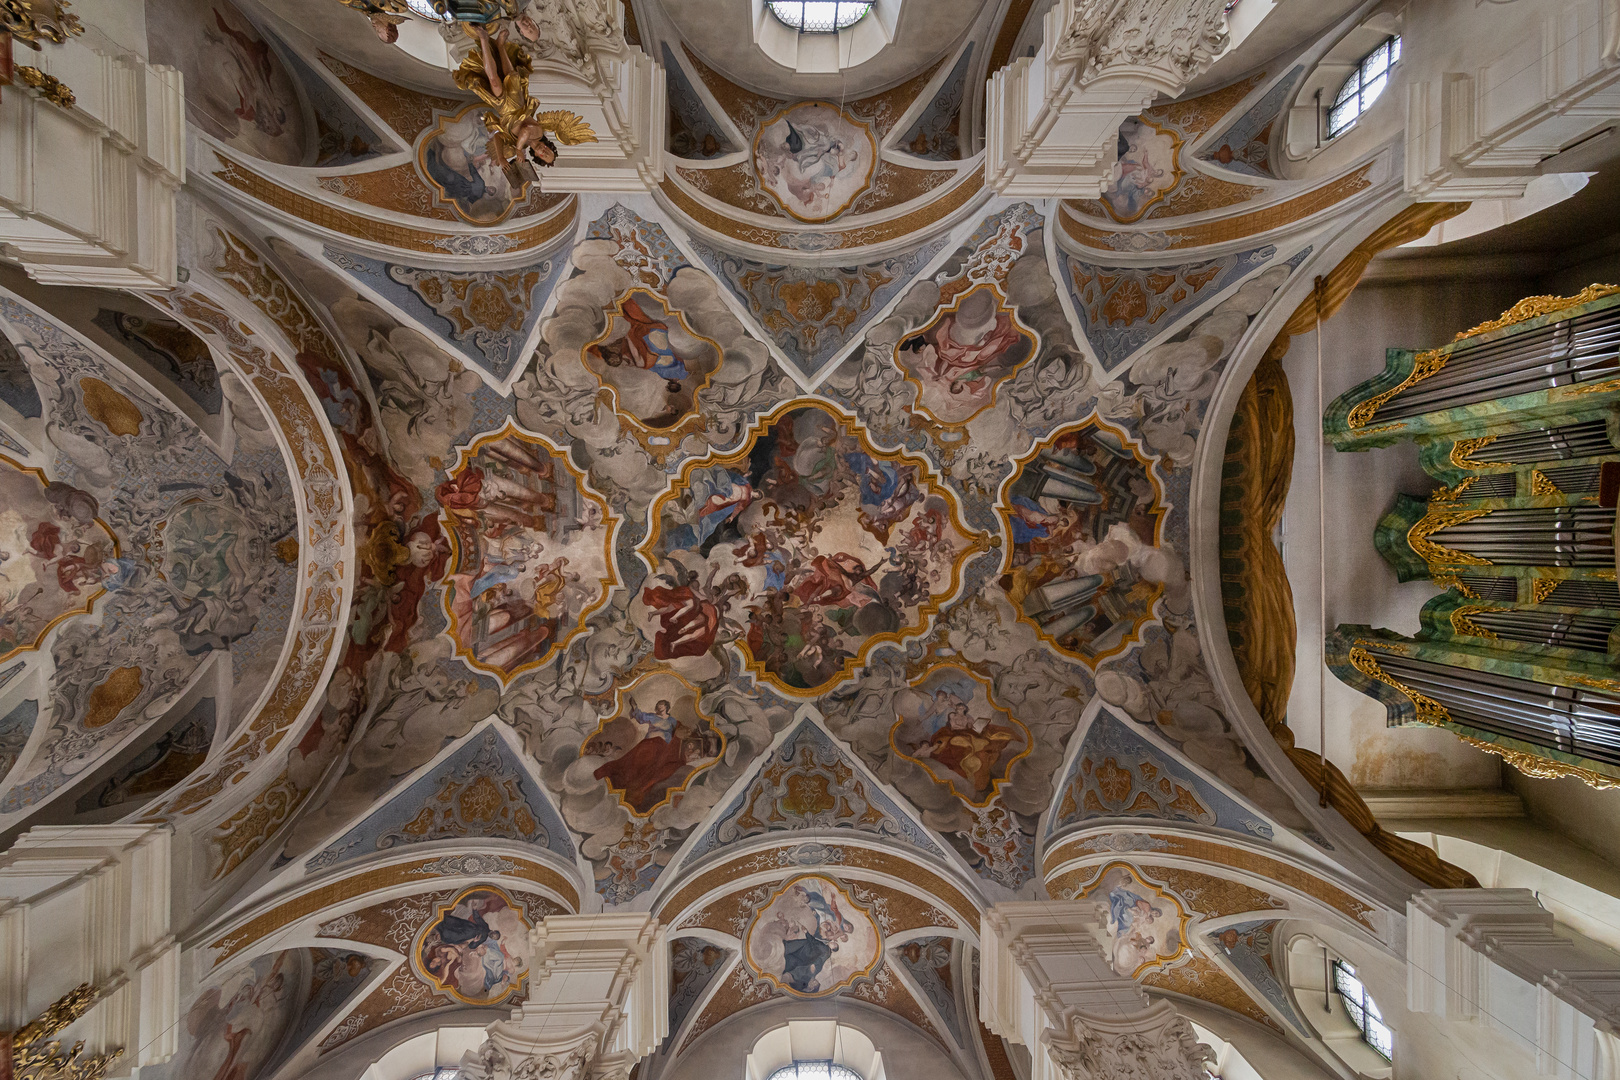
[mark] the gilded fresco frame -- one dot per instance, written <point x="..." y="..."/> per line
<point x="1133" y="635"/>
<point x="978" y="542"/>
<point x="464" y="455"/>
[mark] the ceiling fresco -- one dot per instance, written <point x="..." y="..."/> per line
<point x="798" y="552"/>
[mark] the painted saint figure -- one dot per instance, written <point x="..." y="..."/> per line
<point x="646" y="346"/>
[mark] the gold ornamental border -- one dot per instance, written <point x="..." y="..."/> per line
<point x="996" y="785"/>
<point x="620" y="696"/>
<point x="1160" y="963"/>
<point x="1002" y="305"/>
<point x="429" y="925"/>
<point x="89" y="602"/>
<point x="843" y="894"/>
<point x="464" y="457"/>
<point x="1533" y="307"/>
<point x="441" y="123"/>
<point x="871" y="160"/>
<point x="691" y="421"/>
<point x="977" y="541"/>
<point x="1158" y="513"/>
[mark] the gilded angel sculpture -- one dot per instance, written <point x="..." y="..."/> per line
<point x="498" y="73"/>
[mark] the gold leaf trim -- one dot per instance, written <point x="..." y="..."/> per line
<point x="1540" y="485"/>
<point x="1424" y="365"/>
<point x="1541" y="588"/>
<point x="1449" y="494"/>
<point x="1429" y="711"/>
<point x="1462" y="623"/>
<point x="1540" y="767"/>
<point x="1452" y="581"/>
<point x="1463" y="451"/>
<point x="1533" y="307"/>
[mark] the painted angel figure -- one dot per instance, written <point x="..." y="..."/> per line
<point x="498" y="73"/>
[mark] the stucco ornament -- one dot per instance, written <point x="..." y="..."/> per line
<point x="1174" y="38"/>
<point x="490" y="1062"/>
<point x="568" y="31"/>
<point x="1168" y="1050"/>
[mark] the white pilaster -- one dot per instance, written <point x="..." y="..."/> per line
<point x="1052" y="120"/>
<point x="90" y="904"/>
<point x="1045" y="982"/>
<point x="598" y="1003"/>
<point x="1493" y="957"/>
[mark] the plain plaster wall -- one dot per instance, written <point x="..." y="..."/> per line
<point x="907" y="1053"/>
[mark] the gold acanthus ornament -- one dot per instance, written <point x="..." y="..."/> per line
<point x="497" y="72"/>
<point x="1463" y="451"/>
<point x="1533" y="307"/>
<point x="1541" y="485"/>
<point x="1424" y="365"/>
<point x="1428" y="710"/>
<point x="1436" y="554"/>
<point x="1541" y="588"/>
<point x="1463" y="624"/>
<point x="33" y="21"/>
<point x="35" y="1058"/>
<point x="50" y="87"/>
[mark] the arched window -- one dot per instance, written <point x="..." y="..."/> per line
<point x="1363" y="1010"/>
<point x="815" y="1070"/>
<point x="447" y="1072"/>
<point x="425" y="9"/>
<point x="1364" y="85"/>
<point x="820" y="16"/>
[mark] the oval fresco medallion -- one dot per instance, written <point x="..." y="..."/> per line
<point x="58" y="556"/>
<point x="811" y="938"/>
<point x="476" y="947"/>
<point x="654" y="745"/>
<point x="652" y="363"/>
<point x="530" y="551"/>
<point x="805" y="548"/>
<point x="1083" y="509"/>
<point x="814" y="159"/>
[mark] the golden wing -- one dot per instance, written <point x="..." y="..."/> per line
<point x="570" y="128"/>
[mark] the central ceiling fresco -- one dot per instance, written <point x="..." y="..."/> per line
<point x="799" y="549"/>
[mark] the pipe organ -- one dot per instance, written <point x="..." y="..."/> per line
<point x="1517" y="422"/>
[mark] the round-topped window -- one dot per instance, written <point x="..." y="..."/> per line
<point x="820" y="16"/>
<point x="815" y="1070"/>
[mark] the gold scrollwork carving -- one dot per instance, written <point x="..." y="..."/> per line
<point x="1541" y="588"/>
<point x="1436" y="554"/>
<point x="1452" y="581"/>
<point x="1463" y="451"/>
<point x="1533" y="307"/>
<point x="1424" y="365"/>
<point x="1540" y="767"/>
<point x="33" y="21"/>
<point x="50" y="87"/>
<point x="1450" y="494"/>
<point x="1540" y="485"/>
<point x="1582" y="389"/>
<point x="33" y="1058"/>
<point x="1463" y="624"/>
<point x="1429" y="711"/>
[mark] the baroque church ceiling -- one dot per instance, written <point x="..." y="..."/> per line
<point x="734" y="549"/>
